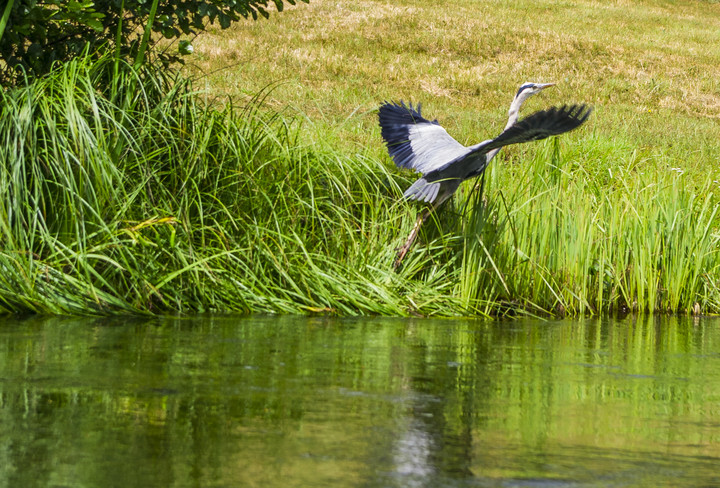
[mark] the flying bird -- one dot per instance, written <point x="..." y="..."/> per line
<point x="424" y="146"/>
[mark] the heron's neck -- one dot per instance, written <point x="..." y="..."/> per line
<point x="514" y="111"/>
<point x="513" y="115"/>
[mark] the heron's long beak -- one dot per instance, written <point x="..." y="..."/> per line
<point x="546" y="85"/>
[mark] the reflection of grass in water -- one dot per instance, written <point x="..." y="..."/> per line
<point x="646" y="384"/>
<point x="490" y="395"/>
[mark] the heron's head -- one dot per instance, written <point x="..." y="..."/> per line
<point x="526" y="90"/>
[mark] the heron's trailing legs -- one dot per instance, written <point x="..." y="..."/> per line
<point x="422" y="218"/>
<point x="413" y="235"/>
<point x="445" y="193"/>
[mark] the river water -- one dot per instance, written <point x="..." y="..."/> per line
<point x="286" y="402"/>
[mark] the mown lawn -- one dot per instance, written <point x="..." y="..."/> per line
<point x="651" y="68"/>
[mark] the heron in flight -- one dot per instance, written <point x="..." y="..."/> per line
<point x="424" y="146"/>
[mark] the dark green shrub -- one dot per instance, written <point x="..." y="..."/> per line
<point x="36" y="33"/>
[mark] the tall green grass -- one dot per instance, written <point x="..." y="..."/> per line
<point x="126" y="191"/>
<point x="140" y="196"/>
<point x="558" y="237"/>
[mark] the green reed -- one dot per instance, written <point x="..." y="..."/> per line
<point x="559" y="236"/>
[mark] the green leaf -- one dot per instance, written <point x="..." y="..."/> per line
<point x="5" y="16"/>
<point x="185" y="47"/>
<point x="95" y="24"/>
<point x="224" y="20"/>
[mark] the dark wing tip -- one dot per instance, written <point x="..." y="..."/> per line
<point x="558" y="120"/>
<point x="579" y="112"/>
<point x="396" y="120"/>
<point x="391" y="112"/>
<point x="545" y="123"/>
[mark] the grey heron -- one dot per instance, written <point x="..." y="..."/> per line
<point x="424" y="146"/>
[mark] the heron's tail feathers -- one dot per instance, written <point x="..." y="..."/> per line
<point x="423" y="191"/>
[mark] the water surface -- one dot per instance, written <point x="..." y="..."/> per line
<point x="319" y="402"/>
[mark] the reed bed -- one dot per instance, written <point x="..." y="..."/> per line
<point x="556" y="236"/>
<point x="127" y="192"/>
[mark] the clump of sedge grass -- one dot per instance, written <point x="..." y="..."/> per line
<point x="133" y="196"/>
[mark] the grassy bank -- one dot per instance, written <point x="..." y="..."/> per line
<point x="620" y="216"/>
<point x="138" y="197"/>
<point x="144" y="195"/>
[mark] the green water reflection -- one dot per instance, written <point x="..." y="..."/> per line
<point x="314" y="402"/>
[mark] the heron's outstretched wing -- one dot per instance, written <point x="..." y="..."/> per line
<point x="415" y="142"/>
<point x="542" y="124"/>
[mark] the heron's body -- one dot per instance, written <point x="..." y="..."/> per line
<point x="424" y="146"/>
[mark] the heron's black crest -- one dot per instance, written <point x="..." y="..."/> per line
<point x="524" y="87"/>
